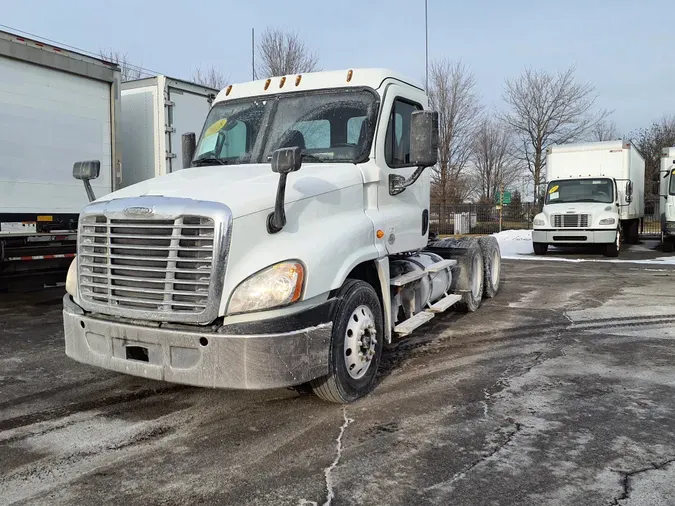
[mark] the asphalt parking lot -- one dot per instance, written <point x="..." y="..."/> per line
<point x="559" y="391"/>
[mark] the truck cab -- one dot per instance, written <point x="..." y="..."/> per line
<point x="594" y="195"/>
<point x="291" y="248"/>
<point x="667" y="192"/>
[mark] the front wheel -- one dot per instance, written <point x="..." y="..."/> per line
<point x="492" y="265"/>
<point x="356" y="345"/>
<point x="613" y="248"/>
<point x="667" y="244"/>
<point x="540" y="248"/>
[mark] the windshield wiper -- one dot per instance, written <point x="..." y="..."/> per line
<point x="209" y="161"/>
<point x="312" y="158"/>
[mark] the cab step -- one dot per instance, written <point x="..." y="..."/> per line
<point x="444" y="303"/>
<point x="442" y="265"/>
<point x="406" y="327"/>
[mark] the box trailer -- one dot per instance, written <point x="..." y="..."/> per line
<point x="56" y="107"/>
<point x="595" y="195"/>
<point x="156" y="111"/>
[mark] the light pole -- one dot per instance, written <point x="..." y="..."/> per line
<point x="426" y="43"/>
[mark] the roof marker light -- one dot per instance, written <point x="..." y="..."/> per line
<point x="350" y="72"/>
<point x="267" y="84"/>
<point x="282" y="82"/>
<point x="228" y="90"/>
<point x="297" y="79"/>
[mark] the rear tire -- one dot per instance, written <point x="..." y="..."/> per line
<point x="492" y="265"/>
<point x="357" y="322"/>
<point x="468" y="275"/>
<point x="667" y="244"/>
<point x="540" y="248"/>
<point x="613" y="248"/>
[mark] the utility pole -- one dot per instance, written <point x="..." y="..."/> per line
<point x="426" y="43"/>
<point x="253" y="54"/>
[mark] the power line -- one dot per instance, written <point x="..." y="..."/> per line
<point x="84" y="51"/>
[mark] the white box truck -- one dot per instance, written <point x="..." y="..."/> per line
<point x="595" y="195"/>
<point x="667" y="200"/>
<point x="290" y="250"/>
<point x="56" y="107"/>
<point x="156" y="112"/>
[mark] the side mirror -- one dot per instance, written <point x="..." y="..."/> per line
<point x="189" y="146"/>
<point x="86" y="170"/>
<point x="286" y="160"/>
<point x="424" y="138"/>
<point x="629" y="192"/>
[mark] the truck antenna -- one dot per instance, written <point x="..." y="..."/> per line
<point x="426" y="44"/>
<point x="253" y="54"/>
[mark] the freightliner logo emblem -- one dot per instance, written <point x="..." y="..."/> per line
<point x="138" y="211"/>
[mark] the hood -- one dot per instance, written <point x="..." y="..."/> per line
<point x="592" y="208"/>
<point x="245" y="189"/>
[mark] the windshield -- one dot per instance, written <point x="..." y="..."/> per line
<point x="671" y="185"/>
<point x="580" y="190"/>
<point x="335" y="126"/>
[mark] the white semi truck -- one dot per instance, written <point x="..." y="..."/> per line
<point x="594" y="196"/>
<point x="290" y="251"/>
<point x="667" y="192"/>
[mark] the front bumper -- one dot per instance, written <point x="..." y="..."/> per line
<point x="574" y="236"/>
<point x="199" y="358"/>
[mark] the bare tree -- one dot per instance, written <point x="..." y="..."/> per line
<point x="605" y="131"/>
<point x="451" y="93"/>
<point x="493" y="161"/>
<point x="210" y="77"/>
<point x="280" y="53"/>
<point x="545" y="109"/>
<point x="649" y="142"/>
<point x="128" y="70"/>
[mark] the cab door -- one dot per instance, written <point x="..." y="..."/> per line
<point x="406" y="215"/>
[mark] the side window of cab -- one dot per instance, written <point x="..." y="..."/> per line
<point x="397" y="142"/>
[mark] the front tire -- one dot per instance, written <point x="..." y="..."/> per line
<point x="540" y="248"/>
<point x="356" y="345"/>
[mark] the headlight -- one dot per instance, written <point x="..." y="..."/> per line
<point x="539" y="223"/>
<point x="275" y="286"/>
<point x="607" y="221"/>
<point x="71" y="278"/>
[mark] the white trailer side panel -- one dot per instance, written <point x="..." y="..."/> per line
<point x="49" y="120"/>
<point x="140" y="136"/>
<point x="636" y="173"/>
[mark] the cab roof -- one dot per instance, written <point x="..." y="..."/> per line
<point x="347" y="78"/>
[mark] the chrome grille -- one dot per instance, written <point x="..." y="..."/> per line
<point x="570" y="220"/>
<point x="151" y="268"/>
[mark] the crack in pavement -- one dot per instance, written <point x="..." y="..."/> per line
<point x="330" y="495"/>
<point x="446" y="486"/>
<point x="627" y="475"/>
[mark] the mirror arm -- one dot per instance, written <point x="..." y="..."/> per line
<point x="89" y="190"/>
<point x="277" y="219"/>
<point x="398" y="184"/>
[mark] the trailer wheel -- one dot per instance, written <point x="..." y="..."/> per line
<point x="356" y="345"/>
<point x="540" y="248"/>
<point x="492" y="265"/>
<point x="612" y="249"/>
<point x="468" y="277"/>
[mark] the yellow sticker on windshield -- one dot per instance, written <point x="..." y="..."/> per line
<point x="554" y="189"/>
<point x="215" y="127"/>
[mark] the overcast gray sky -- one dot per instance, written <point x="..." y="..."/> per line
<point x="624" y="47"/>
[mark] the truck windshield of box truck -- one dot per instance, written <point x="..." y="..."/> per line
<point x="569" y="191"/>
<point x="333" y="126"/>
<point x="671" y="185"/>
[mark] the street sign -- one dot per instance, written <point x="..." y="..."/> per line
<point x="507" y="197"/>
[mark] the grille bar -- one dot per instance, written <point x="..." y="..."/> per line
<point x="84" y="272"/>
<point x="570" y="220"/>
<point x="157" y="237"/>
<point x="140" y="258"/>
<point x="123" y="288"/>
<point x="141" y="280"/>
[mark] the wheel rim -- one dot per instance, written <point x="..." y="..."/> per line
<point x="360" y="342"/>
<point x="477" y="276"/>
<point x="618" y="240"/>
<point x="496" y="267"/>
